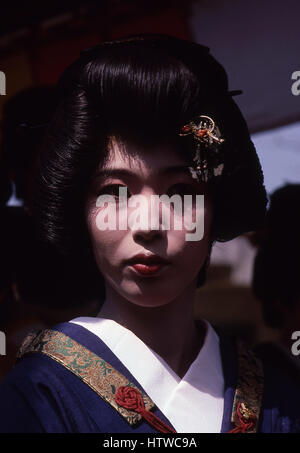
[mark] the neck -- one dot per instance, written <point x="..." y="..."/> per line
<point x="169" y="330"/>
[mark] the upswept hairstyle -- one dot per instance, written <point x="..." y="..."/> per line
<point x="144" y="88"/>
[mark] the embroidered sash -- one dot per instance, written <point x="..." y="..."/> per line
<point x="126" y="398"/>
<point x="249" y="391"/>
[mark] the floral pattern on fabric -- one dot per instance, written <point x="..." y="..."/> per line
<point x="99" y="375"/>
<point x="249" y="391"/>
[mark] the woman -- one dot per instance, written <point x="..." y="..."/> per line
<point x="139" y="118"/>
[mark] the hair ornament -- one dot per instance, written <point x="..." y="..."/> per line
<point x="208" y="157"/>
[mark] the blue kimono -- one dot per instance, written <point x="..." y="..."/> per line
<point x="41" y="395"/>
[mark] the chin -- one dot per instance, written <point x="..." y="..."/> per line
<point x="148" y="294"/>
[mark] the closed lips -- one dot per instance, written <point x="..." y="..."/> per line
<point x="148" y="260"/>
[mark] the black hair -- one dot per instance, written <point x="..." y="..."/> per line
<point x="145" y="88"/>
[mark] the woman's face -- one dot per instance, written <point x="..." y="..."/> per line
<point x="136" y="227"/>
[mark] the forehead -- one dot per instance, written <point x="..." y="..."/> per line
<point x="141" y="159"/>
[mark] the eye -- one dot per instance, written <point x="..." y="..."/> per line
<point x="182" y="189"/>
<point x="113" y="189"/>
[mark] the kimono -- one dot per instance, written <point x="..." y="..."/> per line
<point x="67" y="380"/>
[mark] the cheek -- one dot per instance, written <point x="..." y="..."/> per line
<point x="107" y="244"/>
<point x="192" y="253"/>
<point x="191" y="224"/>
<point x="190" y="212"/>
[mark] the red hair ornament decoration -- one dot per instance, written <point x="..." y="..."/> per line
<point x="208" y="158"/>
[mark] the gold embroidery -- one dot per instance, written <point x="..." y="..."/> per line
<point x="90" y="368"/>
<point x="249" y="389"/>
<point x="105" y="380"/>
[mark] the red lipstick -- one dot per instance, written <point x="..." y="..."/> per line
<point x="147" y="264"/>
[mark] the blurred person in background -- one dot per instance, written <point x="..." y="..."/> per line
<point x="276" y="275"/>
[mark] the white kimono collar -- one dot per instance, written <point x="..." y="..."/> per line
<point x="194" y="403"/>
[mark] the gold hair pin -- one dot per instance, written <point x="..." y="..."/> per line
<point x="208" y="157"/>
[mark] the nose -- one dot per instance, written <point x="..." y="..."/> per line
<point x="148" y="218"/>
<point x="146" y="235"/>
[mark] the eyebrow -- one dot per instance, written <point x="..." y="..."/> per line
<point x="121" y="172"/>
